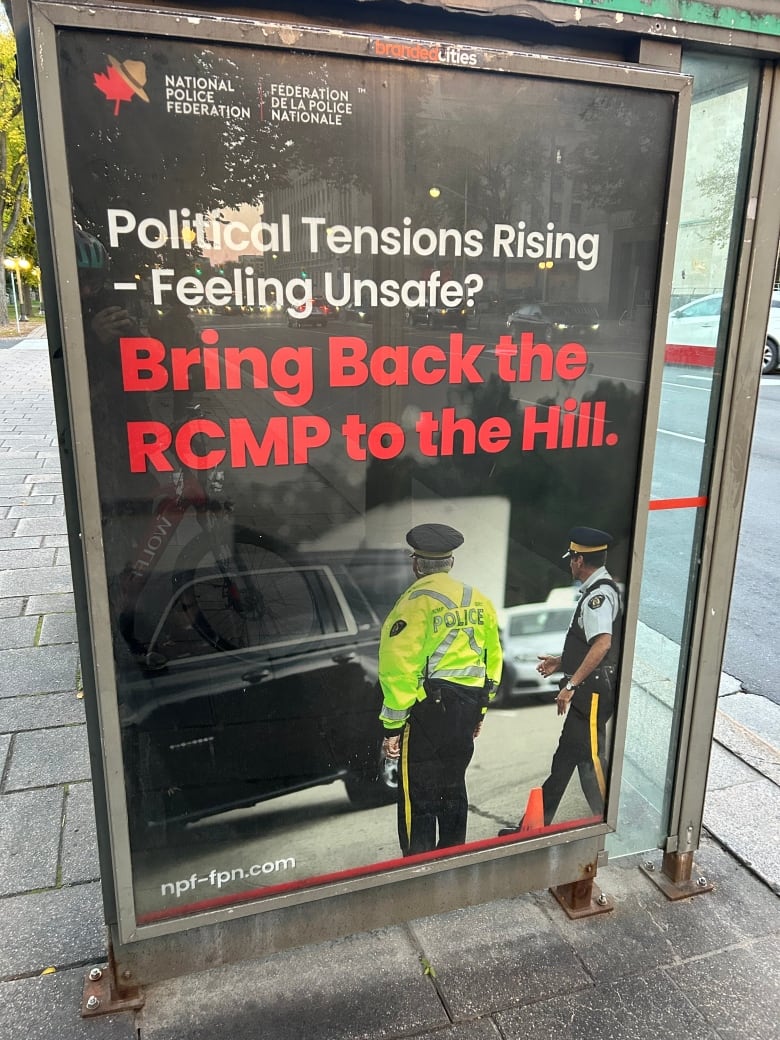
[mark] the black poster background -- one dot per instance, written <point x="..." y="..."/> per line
<point x="253" y="553"/>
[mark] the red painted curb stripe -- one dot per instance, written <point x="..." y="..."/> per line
<point x="682" y="354"/>
<point x="678" y="503"/>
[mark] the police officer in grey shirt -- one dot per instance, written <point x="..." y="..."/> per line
<point x="589" y="663"/>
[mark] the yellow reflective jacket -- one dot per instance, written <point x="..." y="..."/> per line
<point x="451" y="626"/>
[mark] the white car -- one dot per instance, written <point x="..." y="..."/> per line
<point x="528" y="631"/>
<point x="772" y="345"/>
<point x="697" y="323"/>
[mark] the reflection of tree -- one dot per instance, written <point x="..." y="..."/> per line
<point x="617" y="128"/>
<point x="489" y="147"/>
<point x="717" y="186"/>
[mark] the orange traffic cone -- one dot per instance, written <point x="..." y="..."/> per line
<point x="533" y="817"/>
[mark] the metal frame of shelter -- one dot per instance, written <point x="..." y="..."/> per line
<point x="624" y="40"/>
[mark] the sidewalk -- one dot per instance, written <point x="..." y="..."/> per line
<point x="705" y="968"/>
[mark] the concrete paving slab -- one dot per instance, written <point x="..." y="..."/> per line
<point x="40" y="669"/>
<point x="369" y="985"/>
<point x="41" y="488"/>
<point x="48" y="756"/>
<point x="734" y="820"/>
<point x="636" y="1008"/>
<point x="10" y="502"/>
<point x="35" y="581"/>
<point x="12" y="487"/>
<point x="727" y="770"/>
<point x="60" y="927"/>
<point x="18" y="632"/>
<point x="12" y="607"/>
<point x="16" y="544"/>
<point x="645" y="930"/>
<point x="30" y="826"/>
<point x="40" y="711"/>
<point x="56" y="541"/>
<point x="79" y="861"/>
<point x="755" y="712"/>
<point x="50" y="604"/>
<point x="21" y="464"/>
<point x="58" y="628"/>
<point x="497" y="956"/>
<point x="748" y="745"/>
<point x="39" y="525"/>
<point x="24" y="558"/>
<point x="48" y="1008"/>
<point x="741" y="907"/>
<point x="31" y="510"/>
<point x="736" y="989"/>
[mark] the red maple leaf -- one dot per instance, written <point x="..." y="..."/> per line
<point x="114" y="87"/>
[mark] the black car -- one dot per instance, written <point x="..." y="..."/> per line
<point x="555" y="322"/>
<point x="365" y="315"/>
<point x="462" y="317"/>
<point x="283" y="699"/>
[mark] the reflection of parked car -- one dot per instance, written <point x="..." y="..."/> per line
<point x="555" y="322"/>
<point x="528" y="631"/>
<point x="444" y="317"/>
<point x="227" y="723"/>
<point x="318" y="316"/>
<point x="361" y="314"/>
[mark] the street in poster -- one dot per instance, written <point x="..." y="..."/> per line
<point x="327" y="301"/>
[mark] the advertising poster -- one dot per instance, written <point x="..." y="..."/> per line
<point x="327" y="300"/>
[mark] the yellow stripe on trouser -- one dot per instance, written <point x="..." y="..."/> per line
<point x="405" y="784"/>
<point x="594" y="743"/>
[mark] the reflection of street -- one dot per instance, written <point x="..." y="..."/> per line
<point x="320" y="831"/>
<point x="614" y="353"/>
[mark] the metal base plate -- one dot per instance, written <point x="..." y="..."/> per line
<point x="677" y="889"/>
<point x="599" y="903"/>
<point x="100" y="996"/>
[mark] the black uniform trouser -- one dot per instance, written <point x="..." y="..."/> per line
<point x="437" y="745"/>
<point x="582" y="745"/>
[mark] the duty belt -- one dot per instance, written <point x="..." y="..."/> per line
<point x="475" y="696"/>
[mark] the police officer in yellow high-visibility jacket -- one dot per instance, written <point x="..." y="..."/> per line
<point x="439" y="661"/>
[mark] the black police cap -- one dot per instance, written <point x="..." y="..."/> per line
<point x="434" y="541"/>
<point x="587" y="540"/>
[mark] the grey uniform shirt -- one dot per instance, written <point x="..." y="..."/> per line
<point x="599" y="606"/>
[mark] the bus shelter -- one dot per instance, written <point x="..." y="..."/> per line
<point x="322" y="279"/>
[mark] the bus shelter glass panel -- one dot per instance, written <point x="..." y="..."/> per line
<point x="324" y="302"/>
<point x="719" y="141"/>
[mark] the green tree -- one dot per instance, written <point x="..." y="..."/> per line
<point x="13" y="154"/>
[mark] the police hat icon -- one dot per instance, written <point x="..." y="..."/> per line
<point x="587" y="540"/>
<point x="133" y="73"/>
<point x="434" y="541"/>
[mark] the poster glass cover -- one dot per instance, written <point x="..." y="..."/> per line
<point x="326" y="301"/>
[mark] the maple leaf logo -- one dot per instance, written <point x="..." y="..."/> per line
<point x="122" y="81"/>
<point x="114" y="87"/>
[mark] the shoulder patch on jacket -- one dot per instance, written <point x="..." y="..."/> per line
<point x="595" y="601"/>
<point x="398" y="626"/>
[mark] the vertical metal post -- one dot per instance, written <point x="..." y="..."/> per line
<point x="731" y="455"/>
